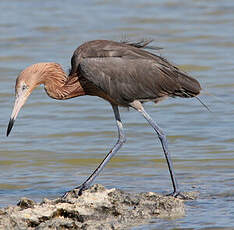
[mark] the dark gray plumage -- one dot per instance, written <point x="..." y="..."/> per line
<point x="127" y="72"/>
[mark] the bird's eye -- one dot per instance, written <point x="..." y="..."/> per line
<point x="24" y="87"/>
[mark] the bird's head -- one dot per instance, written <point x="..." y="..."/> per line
<point x="26" y="82"/>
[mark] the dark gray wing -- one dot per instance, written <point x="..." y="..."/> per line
<point x="126" y="72"/>
<point x="104" y="48"/>
<point x="127" y="80"/>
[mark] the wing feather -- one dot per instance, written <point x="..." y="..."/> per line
<point x="127" y="72"/>
<point x="127" y="80"/>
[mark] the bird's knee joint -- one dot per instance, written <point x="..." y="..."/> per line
<point x="162" y="136"/>
<point x="122" y="139"/>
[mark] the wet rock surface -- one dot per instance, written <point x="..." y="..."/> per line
<point x="97" y="208"/>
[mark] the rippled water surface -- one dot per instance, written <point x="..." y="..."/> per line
<point x="55" y="145"/>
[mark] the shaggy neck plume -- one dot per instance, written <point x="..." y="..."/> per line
<point x="60" y="86"/>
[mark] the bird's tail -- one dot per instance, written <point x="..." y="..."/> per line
<point x="188" y="86"/>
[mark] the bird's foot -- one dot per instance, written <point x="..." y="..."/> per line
<point x="177" y="194"/>
<point x="76" y="192"/>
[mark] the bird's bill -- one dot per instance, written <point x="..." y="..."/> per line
<point x="19" y="102"/>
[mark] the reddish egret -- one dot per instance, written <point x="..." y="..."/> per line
<point x="124" y="74"/>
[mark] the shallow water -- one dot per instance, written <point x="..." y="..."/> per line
<point x="55" y="145"/>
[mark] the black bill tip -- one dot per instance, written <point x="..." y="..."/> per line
<point x="10" y="125"/>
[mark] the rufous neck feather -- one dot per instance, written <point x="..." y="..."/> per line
<point x="58" y="85"/>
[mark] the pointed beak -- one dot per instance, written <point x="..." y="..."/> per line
<point x="19" y="102"/>
<point x="10" y="125"/>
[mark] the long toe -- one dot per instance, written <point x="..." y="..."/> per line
<point x="79" y="190"/>
<point x="177" y="194"/>
<point x="75" y="193"/>
<point x="69" y="194"/>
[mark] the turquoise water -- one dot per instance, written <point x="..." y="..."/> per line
<point x="55" y="145"/>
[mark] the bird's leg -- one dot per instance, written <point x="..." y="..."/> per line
<point x="162" y="137"/>
<point x="117" y="146"/>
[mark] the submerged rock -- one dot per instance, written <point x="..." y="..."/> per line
<point x="96" y="208"/>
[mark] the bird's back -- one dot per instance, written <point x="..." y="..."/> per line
<point x="127" y="72"/>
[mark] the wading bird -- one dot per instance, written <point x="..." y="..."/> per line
<point x="124" y="74"/>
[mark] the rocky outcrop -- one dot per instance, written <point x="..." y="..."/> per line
<point x="96" y="208"/>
